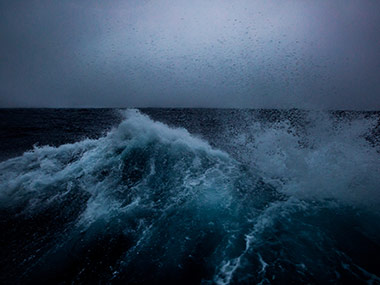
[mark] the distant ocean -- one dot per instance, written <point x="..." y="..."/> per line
<point x="189" y="196"/>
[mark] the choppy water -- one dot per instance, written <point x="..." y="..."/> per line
<point x="262" y="197"/>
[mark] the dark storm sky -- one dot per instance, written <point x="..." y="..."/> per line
<point x="181" y="53"/>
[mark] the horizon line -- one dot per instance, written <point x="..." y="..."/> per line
<point x="218" y="108"/>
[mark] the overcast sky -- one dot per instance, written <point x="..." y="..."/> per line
<point x="319" y="54"/>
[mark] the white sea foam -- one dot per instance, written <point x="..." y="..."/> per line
<point x="328" y="159"/>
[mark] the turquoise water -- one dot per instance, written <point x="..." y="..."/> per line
<point x="269" y="201"/>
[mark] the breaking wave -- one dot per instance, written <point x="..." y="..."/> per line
<point x="148" y="203"/>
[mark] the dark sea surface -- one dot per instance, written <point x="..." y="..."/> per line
<point x="189" y="196"/>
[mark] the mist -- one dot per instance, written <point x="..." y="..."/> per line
<point x="166" y="53"/>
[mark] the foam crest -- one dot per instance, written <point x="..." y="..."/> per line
<point x="87" y="159"/>
<point x="141" y="128"/>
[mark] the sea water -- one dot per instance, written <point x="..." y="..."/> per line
<point x="189" y="196"/>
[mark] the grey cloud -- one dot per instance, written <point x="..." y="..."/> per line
<point x="210" y="53"/>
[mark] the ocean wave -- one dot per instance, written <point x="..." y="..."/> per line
<point x="148" y="203"/>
